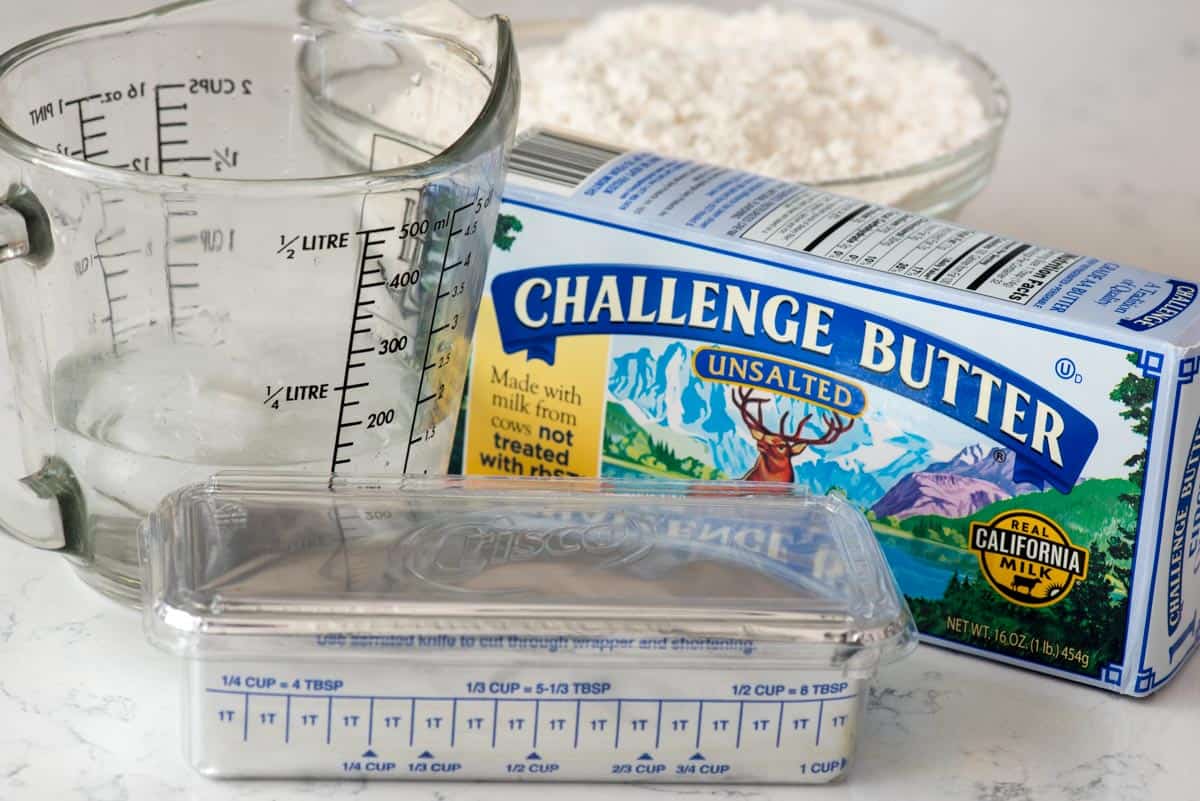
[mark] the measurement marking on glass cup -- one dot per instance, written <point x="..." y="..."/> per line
<point x="371" y="277"/>
<point x="413" y="439"/>
<point x="175" y="216"/>
<point x="158" y="116"/>
<point x="87" y="131"/>
<point x="105" y="251"/>
<point x="369" y="241"/>
<point x="187" y="159"/>
<point x="167" y="123"/>
<point x="110" y="301"/>
<point x="104" y="239"/>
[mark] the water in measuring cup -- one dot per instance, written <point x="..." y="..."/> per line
<point x="139" y="425"/>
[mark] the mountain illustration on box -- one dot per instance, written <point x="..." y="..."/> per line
<point x="975" y="477"/>
<point x="664" y="419"/>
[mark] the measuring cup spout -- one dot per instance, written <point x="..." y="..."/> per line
<point x="30" y="512"/>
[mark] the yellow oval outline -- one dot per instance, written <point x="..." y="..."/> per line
<point x="809" y="367"/>
<point x="1087" y="556"/>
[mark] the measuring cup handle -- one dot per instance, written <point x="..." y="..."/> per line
<point x="29" y="509"/>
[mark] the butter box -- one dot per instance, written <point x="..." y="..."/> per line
<point x="1021" y="425"/>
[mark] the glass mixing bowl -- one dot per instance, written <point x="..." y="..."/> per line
<point x="937" y="187"/>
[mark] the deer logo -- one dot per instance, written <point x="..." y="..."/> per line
<point x="777" y="449"/>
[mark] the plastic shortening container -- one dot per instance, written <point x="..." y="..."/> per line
<point x="494" y="628"/>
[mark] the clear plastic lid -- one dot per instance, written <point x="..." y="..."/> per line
<point x="244" y="560"/>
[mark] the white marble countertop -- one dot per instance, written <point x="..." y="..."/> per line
<point x="1099" y="158"/>
<point x="90" y="711"/>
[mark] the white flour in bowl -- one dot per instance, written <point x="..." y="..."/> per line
<point x="773" y="92"/>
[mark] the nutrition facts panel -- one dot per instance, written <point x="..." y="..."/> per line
<point x="905" y="244"/>
<point x="735" y="204"/>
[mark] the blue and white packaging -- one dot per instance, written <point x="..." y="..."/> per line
<point x="1020" y="424"/>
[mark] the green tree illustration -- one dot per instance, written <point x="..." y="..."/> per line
<point x="1136" y="394"/>
<point x="507" y="228"/>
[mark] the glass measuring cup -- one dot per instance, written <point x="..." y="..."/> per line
<point x="238" y="234"/>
